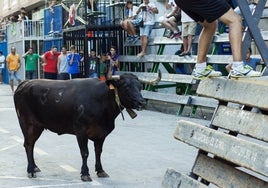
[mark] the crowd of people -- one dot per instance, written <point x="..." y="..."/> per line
<point x="57" y="65"/>
<point x="143" y="18"/>
<point x="66" y="64"/>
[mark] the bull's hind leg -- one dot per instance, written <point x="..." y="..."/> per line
<point x="31" y="134"/>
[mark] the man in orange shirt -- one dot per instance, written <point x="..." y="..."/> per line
<point x="13" y="65"/>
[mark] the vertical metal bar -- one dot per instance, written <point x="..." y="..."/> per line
<point x="253" y="27"/>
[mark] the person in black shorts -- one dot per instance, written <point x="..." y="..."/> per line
<point x="207" y="12"/>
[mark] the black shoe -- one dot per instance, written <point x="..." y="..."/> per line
<point x="187" y="53"/>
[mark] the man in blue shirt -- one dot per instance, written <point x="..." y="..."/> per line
<point x="73" y="60"/>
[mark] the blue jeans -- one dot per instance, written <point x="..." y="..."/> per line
<point x="12" y="75"/>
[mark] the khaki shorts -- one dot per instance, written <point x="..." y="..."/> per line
<point x="188" y="28"/>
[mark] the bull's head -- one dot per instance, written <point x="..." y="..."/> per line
<point x="129" y="87"/>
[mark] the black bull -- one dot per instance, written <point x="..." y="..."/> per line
<point x="85" y="108"/>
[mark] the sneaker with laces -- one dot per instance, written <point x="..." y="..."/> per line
<point x="208" y="72"/>
<point x="245" y="71"/>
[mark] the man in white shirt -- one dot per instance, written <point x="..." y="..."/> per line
<point x="2" y="66"/>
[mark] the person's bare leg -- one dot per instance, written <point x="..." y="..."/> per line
<point x="92" y="5"/>
<point x="235" y="36"/>
<point x="11" y="83"/>
<point x="144" y="42"/>
<point x="166" y="25"/>
<point x="234" y="22"/>
<point x="124" y="25"/>
<point x="201" y="69"/>
<point x="189" y="43"/>
<point x="185" y="44"/>
<point x="205" y="40"/>
<point x="131" y="28"/>
<point x="174" y="25"/>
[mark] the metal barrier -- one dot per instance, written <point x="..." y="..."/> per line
<point x="25" y="30"/>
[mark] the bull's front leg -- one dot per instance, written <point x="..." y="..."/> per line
<point x="98" y="167"/>
<point x="83" y="145"/>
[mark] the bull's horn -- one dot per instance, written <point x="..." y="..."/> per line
<point x="114" y="77"/>
<point x="153" y="81"/>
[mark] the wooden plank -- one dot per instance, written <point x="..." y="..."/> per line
<point x="241" y="152"/>
<point x="173" y="179"/>
<point x="157" y="58"/>
<point x="224" y="175"/>
<point x="165" y="97"/>
<point x="244" y="122"/>
<point x="242" y="92"/>
<point x="166" y="77"/>
<point x="204" y="101"/>
<point x="224" y="37"/>
<point x="152" y="58"/>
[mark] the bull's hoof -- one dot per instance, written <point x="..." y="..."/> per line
<point x="102" y="175"/>
<point x="31" y="175"/>
<point x="36" y="169"/>
<point x="86" y="178"/>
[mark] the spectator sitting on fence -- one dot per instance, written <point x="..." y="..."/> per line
<point x="249" y="61"/>
<point x="188" y="31"/>
<point x="131" y="22"/>
<point x="170" y="21"/>
<point x="148" y="11"/>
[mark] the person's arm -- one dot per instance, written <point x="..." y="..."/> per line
<point x="71" y="58"/>
<point x="139" y="9"/>
<point x="7" y="61"/>
<point x="43" y="59"/>
<point x="116" y="63"/>
<point x="24" y="55"/>
<point x="58" y="64"/>
<point x="19" y="65"/>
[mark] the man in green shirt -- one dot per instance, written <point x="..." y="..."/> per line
<point x="31" y="61"/>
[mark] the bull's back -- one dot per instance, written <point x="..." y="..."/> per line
<point x="56" y="104"/>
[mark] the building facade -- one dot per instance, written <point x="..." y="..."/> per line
<point x="12" y="7"/>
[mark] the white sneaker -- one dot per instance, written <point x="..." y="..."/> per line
<point x="246" y="71"/>
<point x="208" y="72"/>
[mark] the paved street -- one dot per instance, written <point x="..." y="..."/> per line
<point x="135" y="155"/>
